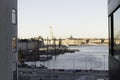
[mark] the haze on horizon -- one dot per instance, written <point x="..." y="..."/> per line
<point x="79" y="18"/>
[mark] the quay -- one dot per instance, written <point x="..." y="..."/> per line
<point x="79" y="41"/>
<point x="43" y="54"/>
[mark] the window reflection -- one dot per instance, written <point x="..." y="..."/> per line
<point x="14" y="43"/>
<point x="116" y="25"/>
<point x="13" y="16"/>
<point x="110" y="34"/>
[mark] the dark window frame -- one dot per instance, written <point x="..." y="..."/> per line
<point x="111" y="33"/>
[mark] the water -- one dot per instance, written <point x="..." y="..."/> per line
<point x="89" y="57"/>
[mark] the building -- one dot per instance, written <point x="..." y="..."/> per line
<point x="114" y="39"/>
<point x="8" y="40"/>
<point x="26" y="44"/>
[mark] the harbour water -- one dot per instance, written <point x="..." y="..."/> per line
<point x="88" y="58"/>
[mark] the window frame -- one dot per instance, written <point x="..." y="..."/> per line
<point x="14" y="16"/>
<point x="112" y="35"/>
<point x="14" y="44"/>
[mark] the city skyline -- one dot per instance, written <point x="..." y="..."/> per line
<point x="81" y="19"/>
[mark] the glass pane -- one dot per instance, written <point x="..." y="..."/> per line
<point x="13" y="16"/>
<point x="117" y="34"/>
<point x="14" y="44"/>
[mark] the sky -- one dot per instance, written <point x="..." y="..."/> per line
<point x="77" y="18"/>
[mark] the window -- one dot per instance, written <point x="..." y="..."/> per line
<point x="116" y="30"/>
<point x="14" y="44"/>
<point x="14" y="16"/>
<point x="100" y="79"/>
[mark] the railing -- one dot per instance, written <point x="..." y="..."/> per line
<point x="89" y="62"/>
<point x="86" y="67"/>
<point x="58" y="74"/>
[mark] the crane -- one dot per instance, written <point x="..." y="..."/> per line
<point x="51" y="32"/>
<point x="53" y="38"/>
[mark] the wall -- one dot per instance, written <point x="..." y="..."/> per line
<point x="112" y="6"/>
<point x="7" y="31"/>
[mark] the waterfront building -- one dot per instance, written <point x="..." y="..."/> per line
<point x="8" y="40"/>
<point x="27" y="44"/>
<point x="114" y="39"/>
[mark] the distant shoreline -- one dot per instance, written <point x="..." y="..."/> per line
<point x="90" y="45"/>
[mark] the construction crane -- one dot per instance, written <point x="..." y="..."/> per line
<point x="51" y="32"/>
<point x="53" y="38"/>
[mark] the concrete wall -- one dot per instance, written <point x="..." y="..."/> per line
<point x="114" y="72"/>
<point x="7" y="31"/>
<point x="112" y="6"/>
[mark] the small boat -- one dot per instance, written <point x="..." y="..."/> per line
<point x="45" y="57"/>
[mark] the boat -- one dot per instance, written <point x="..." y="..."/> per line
<point x="45" y="57"/>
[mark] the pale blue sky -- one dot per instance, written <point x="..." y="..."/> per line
<point x="79" y="18"/>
